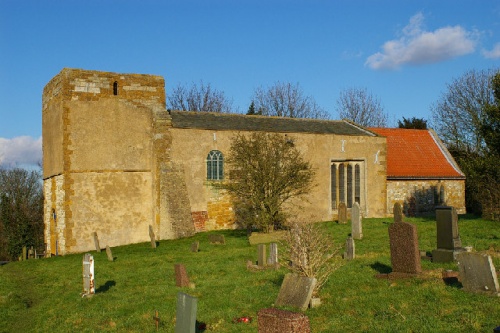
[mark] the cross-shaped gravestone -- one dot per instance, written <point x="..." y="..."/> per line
<point x="186" y="313"/>
<point x="96" y="242"/>
<point x="405" y="254"/>
<point x="477" y="273"/>
<point x="342" y="212"/>
<point x="296" y="291"/>
<point x="156" y="318"/>
<point x="356" y="225"/>
<point x="152" y="237"/>
<point x="88" y="275"/>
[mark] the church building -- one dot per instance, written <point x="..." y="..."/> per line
<point x="116" y="162"/>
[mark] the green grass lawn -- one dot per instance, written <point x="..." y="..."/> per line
<point x="44" y="295"/>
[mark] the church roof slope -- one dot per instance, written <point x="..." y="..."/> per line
<point x="239" y="122"/>
<point x="417" y="154"/>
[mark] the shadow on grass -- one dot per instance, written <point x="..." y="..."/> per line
<point x="105" y="287"/>
<point x="200" y="327"/>
<point x="381" y="268"/>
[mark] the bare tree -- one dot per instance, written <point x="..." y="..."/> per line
<point x="286" y="100"/>
<point x="200" y="97"/>
<point x="266" y="171"/>
<point x="457" y="115"/>
<point x="361" y="107"/>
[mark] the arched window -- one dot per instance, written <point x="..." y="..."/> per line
<point x="115" y="88"/>
<point x="215" y="165"/>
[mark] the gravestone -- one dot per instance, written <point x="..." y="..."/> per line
<point x="477" y="273"/>
<point x="261" y="256"/>
<point x="296" y="291"/>
<point x="356" y="219"/>
<point x="96" y="242"/>
<point x="448" y="239"/>
<point x="195" y="246"/>
<point x="405" y="254"/>
<point x="349" y="253"/>
<point x="109" y="253"/>
<point x="280" y="321"/>
<point x="24" y="255"/>
<point x="273" y="254"/>
<point x="398" y="213"/>
<point x="185" y="317"/>
<point x="216" y="239"/>
<point x="88" y="275"/>
<point x="342" y="213"/>
<point x="181" y="277"/>
<point x="152" y="237"/>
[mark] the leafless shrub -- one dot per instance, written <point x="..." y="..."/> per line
<point x="311" y="252"/>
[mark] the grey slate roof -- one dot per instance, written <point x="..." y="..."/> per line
<point x="239" y="122"/>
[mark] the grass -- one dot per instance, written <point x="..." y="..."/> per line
<point x="44" y="295"/>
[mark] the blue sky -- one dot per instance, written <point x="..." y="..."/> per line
<point x="403" y="52"/>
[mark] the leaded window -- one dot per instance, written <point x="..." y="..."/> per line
<point x="215" y="165"/>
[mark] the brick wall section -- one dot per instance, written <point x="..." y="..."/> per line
<point x="419" y="197"/>
<point x="200" y="218"/>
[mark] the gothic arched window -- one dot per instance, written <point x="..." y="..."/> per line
<point x="215" y="165"/>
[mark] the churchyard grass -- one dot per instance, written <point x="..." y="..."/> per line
<point x="44" y="295"/>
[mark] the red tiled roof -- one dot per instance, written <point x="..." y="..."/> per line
<point x="417" y="154"/>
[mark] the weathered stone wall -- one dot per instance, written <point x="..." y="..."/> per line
<point x="420" y="197"/>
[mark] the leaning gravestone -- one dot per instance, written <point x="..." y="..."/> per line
<point x="185" y="318"/>
<point x="216" y="239"/>
<point x="477" y="273"/>
<point x="357" y="229"/>
<point x="278" y="321"/>
<point x="261" y="255"/>
<point x="405" y="255"/>
<point x="88" y="275"/>
<point x="109" y="254"/>
<point x="273" y="254"/>
<point x="448" y="239"/>
<point x="181" y="277"/>
<point x="342" y="213"/>
<point x="398" y="213"/>
<point x="152" y="237"/>
<point x="96" y="242"/>
<point x="349" y="253"/>
<point x="296" y="291"/>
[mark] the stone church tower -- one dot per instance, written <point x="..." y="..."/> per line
<point x="106" y="161"/>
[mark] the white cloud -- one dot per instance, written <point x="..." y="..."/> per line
<point x="21" y="150"/>
<point x="493" y="54"/>
<point x="417" y="46"/>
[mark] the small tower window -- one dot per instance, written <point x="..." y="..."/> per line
<point x="115" y="88"/>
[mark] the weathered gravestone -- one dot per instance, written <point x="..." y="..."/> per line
<point x="181" y="277"/>
<point x="398" y="213"/>
<point x="261" y="255"/>
<point x="350" y="249"/>
<point x="96" y="242"/>
<point x="109" y="253"/>
<point x="405" y="255"/>
<point x="195" y="246"/>
<point x="185" y="318"/>
<point x="273" y="254"/>
<point x="281" y="321"/>
<point x="296" y="291"/>
<point x="356" y="219"/>
<point x="448" y="239"/>
<point x="477" y="273"/>
<point x="342" y="213"/>
<point x="88" y="275"/>
<point x="152" y="237"/>
<point x="216" y="239"/>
